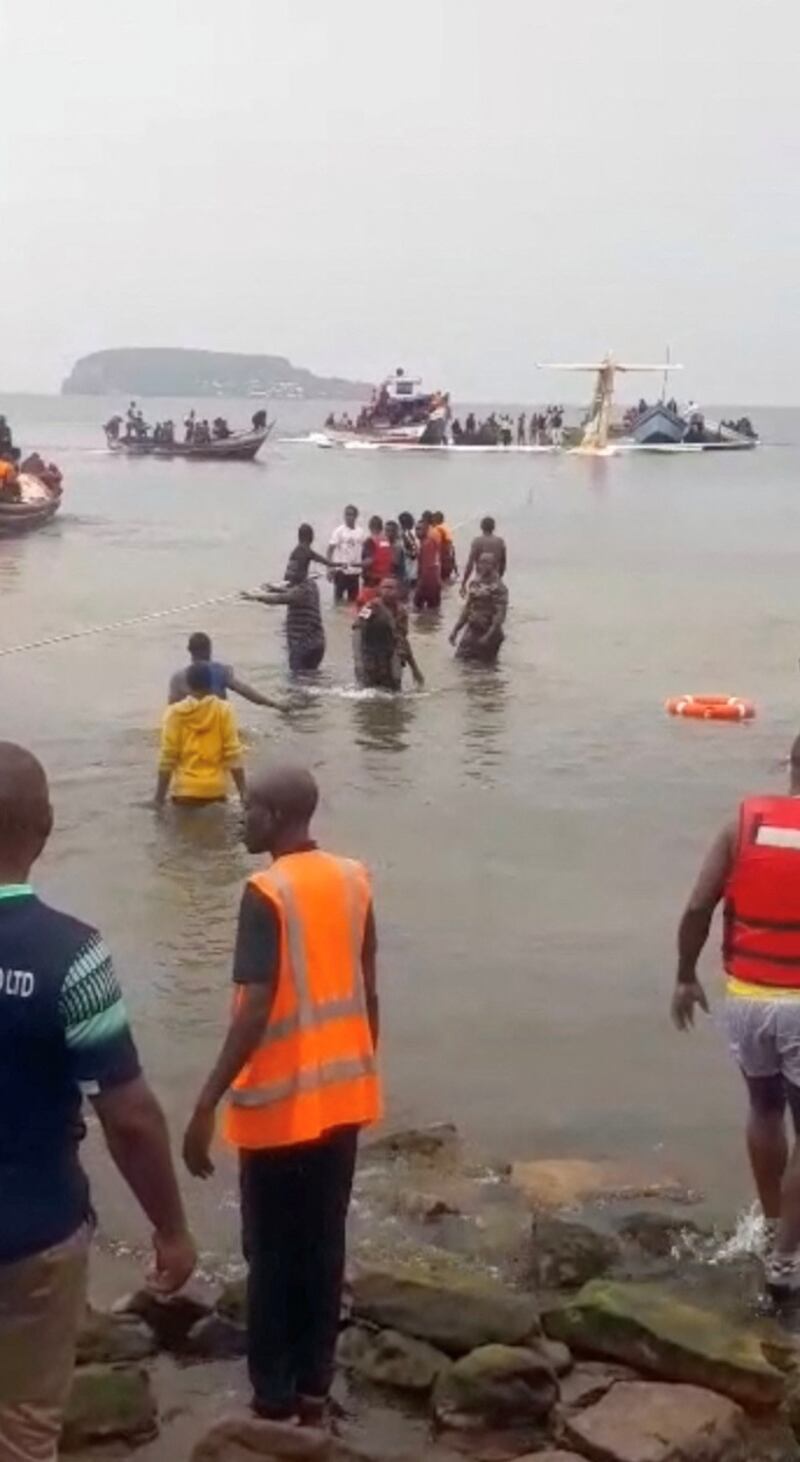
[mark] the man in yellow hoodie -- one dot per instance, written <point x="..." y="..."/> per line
<point x="200" y="746"/>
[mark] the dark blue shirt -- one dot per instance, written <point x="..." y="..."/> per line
<point x="63" y="1034"/>
<point x="221" y="677"/>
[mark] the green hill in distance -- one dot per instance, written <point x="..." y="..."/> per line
<point x="166" y="372"/>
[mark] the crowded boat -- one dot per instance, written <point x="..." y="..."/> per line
<point x="197" y="436"/>
<point x="30" y="488"/>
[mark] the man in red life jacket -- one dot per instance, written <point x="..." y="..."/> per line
<point x="376" y="556"/>
<point x="754" y="866"/>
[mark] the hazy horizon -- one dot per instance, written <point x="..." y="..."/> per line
<point x="461" y="188"/>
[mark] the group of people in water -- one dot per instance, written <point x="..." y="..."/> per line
<point x="540" y="429"/>
<point x="381" y="572"/>
<point x="378" y="573"/>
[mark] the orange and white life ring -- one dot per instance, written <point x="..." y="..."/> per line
<point x="711" y="707"/>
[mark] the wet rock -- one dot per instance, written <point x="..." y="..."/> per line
<point x="565" y="1255"/>
<point x="215" y="1337"/>
<point x="556" y="1354"/>
<point x="439" y="1143"/>
<point x="388" y="1358"/>
<point x="170" y="1320"/>
<point x="659" y="1235"/>
<point x="108" y="1339"/>
<point x="652" y="1330"/>
<point x="495" y="1386"/>
<point x="588" y="1383"/>
<point x="232" y="1301"/>
<point x="551" y="1457"/>
<point x="424" y="1207"/>
<point x="562" y="1183"/>
<point x="245" y="1439"/>
<point x="454" y="1311"/>
<point x="109" y="1404"/>
<point x="647" y="1422"/>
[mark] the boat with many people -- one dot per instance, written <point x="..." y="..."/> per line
<point x="202" y="441"/>
<point x="37" y="503"/>
<point x="238" y="447"/>
<point x="399" y="413"/>
<point x="30" y="488"/>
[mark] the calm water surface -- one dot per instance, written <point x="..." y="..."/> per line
<point x="532" y="831"/>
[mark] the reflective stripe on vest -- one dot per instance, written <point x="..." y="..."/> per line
<point x="312" y="1015"/>
<point x="278" y="1091"/>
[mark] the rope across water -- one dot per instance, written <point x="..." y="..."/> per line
<point x="99" y="629"/>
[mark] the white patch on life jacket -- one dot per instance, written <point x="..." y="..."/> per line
<point x="778" y="837"/>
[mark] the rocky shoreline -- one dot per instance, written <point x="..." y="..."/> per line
<point x="564" y="1310"/>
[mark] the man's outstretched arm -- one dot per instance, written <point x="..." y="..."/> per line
<point x="695" y="925"/>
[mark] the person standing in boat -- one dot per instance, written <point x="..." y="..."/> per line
<point x="522" y="430"/>
<point x="305" y="636"/>
<point x="189" y="427"/>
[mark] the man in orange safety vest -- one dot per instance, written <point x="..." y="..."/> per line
<point x="299" y="1064"/>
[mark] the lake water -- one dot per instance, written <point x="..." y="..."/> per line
<point x="532" y="831"/>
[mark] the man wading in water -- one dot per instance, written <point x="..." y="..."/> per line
<point x="223" y="677"/>
<point x="381" y="648"/>
<point x="299" y="1062"/>
<point x="754" y="865"/>
<point x="305" y="636"/>
<point x="481" y="621"/>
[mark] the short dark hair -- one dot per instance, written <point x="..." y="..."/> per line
<point x="375" y="523"/>
<point x="794" y="754"/>
<point x="488" y="525"/>
<point x="199" y="645"/>
<point x="351" y="508"/>
<point x="406" y="520"/>
<point x="198" y="678"/>
<point x="305" y="533"/>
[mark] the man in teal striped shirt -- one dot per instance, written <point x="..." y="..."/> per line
<point x="64" y="1035"/>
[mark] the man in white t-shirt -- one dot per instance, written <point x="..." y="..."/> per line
<point x="347" y="542"/>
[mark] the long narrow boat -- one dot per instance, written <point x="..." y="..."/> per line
<point x="40" y="502"/>
<point x="238" y="447"/>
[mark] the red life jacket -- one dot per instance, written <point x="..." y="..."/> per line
<point x="379" y="566"/>
<point x="762" y="896"/>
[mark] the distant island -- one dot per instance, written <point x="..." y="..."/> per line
<point x="197" y="373"/>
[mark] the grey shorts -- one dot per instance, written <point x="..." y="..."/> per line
<point x="764" y="1036"/>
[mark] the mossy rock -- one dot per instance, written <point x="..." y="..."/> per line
<point x="496" y="1386"/>
<point x="109" y="1403"/>
<point x="456" y="1312"/>
<point x="387" y="1358"/>
<point x="652" y="1330"/>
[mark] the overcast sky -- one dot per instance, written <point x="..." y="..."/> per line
<point x="464" y="187"/>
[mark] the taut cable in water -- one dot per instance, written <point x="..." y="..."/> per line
<point x="99" y="629"/>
